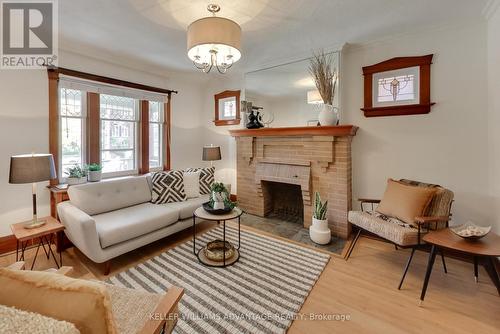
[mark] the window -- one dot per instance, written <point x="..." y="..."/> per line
<point x="227" y="108"/>
<point x="156" y="116"/>
<point x="119" y="123"/>
<point x="397" y="87"/>
<point x="72" y="129"/>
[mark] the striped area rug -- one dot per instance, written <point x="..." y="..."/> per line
<point x="259" y="294"/>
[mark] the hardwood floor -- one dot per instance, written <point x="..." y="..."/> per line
<point x="364" y="289"/>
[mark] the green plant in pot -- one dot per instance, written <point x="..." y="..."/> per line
<point x="319" y="231"/>
<point x="76" y="175"/>
<point x="94" y="172"/>
<point x="219" y="197"/>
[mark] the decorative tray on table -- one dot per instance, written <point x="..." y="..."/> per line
<point x="470" y="231"/>
<point x="208" y="208"/>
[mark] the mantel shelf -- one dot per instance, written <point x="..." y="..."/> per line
<point x="306" y="131"/>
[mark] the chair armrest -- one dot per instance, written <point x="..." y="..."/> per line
<point x="368" y="200"/>
<point x="431" y="219"/>
<point x="19" y="265"/>
<point x="165" y="311"/>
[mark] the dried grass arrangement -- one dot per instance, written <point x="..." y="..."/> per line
<point x="324" y="75"/>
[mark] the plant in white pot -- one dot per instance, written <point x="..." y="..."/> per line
<point x="94" y="172"/>
<point x="76" y="175"/>
<point x="219" y="197"/>
<point x="325" y="77"/>
<point x="319" y="231"/>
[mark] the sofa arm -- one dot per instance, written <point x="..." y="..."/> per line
<point x="80" y="229"/>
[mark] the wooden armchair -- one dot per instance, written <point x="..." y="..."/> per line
<point x="127" y="317"/>
<point x="397" y="232"/>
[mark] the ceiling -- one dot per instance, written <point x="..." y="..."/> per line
<point x="153" y="32"/>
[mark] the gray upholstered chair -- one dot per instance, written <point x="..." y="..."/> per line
<point x="399" y="233"/>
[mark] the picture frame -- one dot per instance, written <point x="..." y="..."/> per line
<point x="227" y="108"/>
<point x="398" y="86"/>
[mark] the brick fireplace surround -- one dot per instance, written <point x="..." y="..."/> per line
<point x="315" y="158"/>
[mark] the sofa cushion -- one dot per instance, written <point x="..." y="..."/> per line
<point x="128" y="223"/>
<point x="187" y="208"/>
<point x="391" y="228"/>
<point x="168" y="187"/>
<point x="105" y="196"/>
<point x="192" y="184"/>
<point x="19" y="321"/>
<point x="84" y="303"/>
<point x="405" y="202"/>
<point x="206" y="178"/>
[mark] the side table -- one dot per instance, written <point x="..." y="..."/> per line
<point x="487" y="248"/>
<point x="202" y="214"/>
<point x="45" y="235"/>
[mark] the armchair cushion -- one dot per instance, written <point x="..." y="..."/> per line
<point x="85" y="304"/>
<point x="389" y="228"/>
<point x="405" y="202"/>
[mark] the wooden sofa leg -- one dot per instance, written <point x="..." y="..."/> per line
<point x="107" y="267"/>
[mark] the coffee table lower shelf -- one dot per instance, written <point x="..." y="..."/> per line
<point x="220" y="264"/>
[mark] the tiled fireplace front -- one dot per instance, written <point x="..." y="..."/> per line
<point x="308" y="159"/>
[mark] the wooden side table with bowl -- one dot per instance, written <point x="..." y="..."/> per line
<point x="44" y="233"/>
<point x="475" y="241"/>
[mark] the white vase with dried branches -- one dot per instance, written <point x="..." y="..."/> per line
<point x="325" y="77"/>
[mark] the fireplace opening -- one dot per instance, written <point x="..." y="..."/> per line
<point x="283" y="201"/>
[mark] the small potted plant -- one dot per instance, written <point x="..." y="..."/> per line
<point x="219" y="197"/>
<point x="76" y="175"/>
<point x="94" y="172"/>
<point x="319" y="231"/>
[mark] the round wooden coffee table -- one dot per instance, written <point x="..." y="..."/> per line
<point x="200" y="254"/>
<point x="487" y="248"/>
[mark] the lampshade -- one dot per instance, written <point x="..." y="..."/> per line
<point x="313" y="97"/>
<point x="214" y="41"/>
<point x="211" y="153"/>
<point x="31" y="168"/>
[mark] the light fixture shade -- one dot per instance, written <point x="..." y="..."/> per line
<point x="31" y="168"/>
<point x="214" y="33"/>
<point x="211" y="153"/>
<point x="313" y="97"/>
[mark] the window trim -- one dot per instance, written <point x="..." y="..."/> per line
<point x="218" y="121"/>
<point x="93" y="152"/>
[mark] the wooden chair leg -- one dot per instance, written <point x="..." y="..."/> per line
<point x="444" y="263"/>
<point x="107" y="267"/>
<point x="351" y="246"/>
<point x="406" y="268"/>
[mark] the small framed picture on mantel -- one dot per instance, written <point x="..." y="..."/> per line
<point x="398" y="86"/>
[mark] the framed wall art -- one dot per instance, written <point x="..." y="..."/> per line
<point x="398" y="86"/>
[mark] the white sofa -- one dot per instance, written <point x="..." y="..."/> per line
<point x="109" y="218"/>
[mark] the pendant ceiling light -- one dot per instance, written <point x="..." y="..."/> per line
<point x="214" y="41"/>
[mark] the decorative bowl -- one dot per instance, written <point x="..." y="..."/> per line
<point x="470" y="231"/>
<point x="214" y="250"/>
<point x="208" y="208"/>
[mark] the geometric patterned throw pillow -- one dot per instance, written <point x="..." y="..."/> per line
<point x="168" y="187"/>
<point x="206" y="178"/>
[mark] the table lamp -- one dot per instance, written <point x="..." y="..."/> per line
<point x="211" y="153"/>
<point x="32" y="168"/>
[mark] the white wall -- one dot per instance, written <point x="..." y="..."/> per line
<point x="219" y="135"/>
<point x="494" y="113"/>
<point x="449" y="146"/>
<point x="24" y="123"/>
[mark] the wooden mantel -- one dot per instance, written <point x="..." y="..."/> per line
<point x="340" y="130"/>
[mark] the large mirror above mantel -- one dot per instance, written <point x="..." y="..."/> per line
<point x="286" y="95"/>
